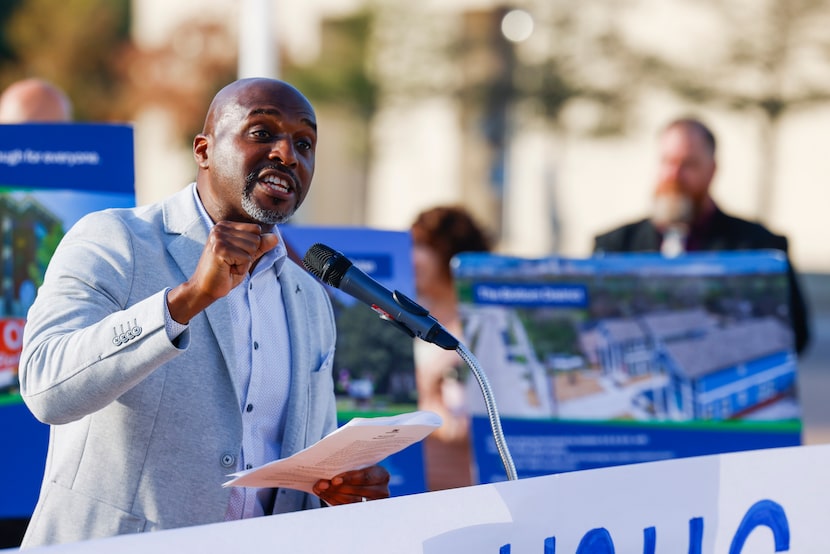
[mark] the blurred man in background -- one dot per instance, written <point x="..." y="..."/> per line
<point x="685" y="218"/>
<point x="34" y="101"/>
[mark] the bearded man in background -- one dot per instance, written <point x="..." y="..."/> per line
<point x="685" y="218"/>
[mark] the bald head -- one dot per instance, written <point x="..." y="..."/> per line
<point x="34" y="100"/>
<point x="239" y="92"/>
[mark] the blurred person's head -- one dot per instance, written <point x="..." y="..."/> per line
<point x="32" y="101"/>
<point x="438" y="234"/>
<point x="686" y="169"/>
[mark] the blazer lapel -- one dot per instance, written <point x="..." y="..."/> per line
<point x="293" y="296"/>
<point x="184" y="223"/>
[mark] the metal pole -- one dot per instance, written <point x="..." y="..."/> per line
<point x="258" y="40"/>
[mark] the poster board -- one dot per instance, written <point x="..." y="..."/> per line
<point x="51" y="174"/>
<point x="629" y="357"/>
<point x="374" y="367"/>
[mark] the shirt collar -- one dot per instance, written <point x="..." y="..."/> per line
<point x="275" y="257"/>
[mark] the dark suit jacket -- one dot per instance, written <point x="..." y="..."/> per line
<point x="724" y="232"/>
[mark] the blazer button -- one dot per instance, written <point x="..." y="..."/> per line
<point x="228" y="460"/>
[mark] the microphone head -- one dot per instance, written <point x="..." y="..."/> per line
<point x="326" y="264"/>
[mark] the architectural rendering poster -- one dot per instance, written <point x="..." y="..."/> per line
<point x="50" y="176"/>
<point x="629" y="358"/>
<point x="374" y="367"/>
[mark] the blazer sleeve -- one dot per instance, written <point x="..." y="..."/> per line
<point x="84" y="344"/>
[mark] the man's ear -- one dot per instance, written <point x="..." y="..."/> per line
<point x="200" y="147"/>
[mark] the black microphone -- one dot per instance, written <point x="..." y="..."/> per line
<point x="335" y="269"/>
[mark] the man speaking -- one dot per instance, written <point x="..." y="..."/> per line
<point x="173" y="344"/>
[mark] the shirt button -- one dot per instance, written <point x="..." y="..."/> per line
<point x="248" y="466"/>
<point x="228" y="460"/>
<point x="249" y="407"/>
<point x="250" y="286"/>
<point x="256" y="345"/>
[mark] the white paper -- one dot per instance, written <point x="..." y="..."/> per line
<point x="360" y="443"/>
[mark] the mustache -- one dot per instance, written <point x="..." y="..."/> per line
<point x="253" y="176"/>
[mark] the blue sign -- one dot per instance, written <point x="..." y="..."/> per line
<point x="386" y="257"/>
<point x="67" y="156"/>
<point x="51" y="174"/>
<point x="628" y="358"/>
<point x="516" y="294"/>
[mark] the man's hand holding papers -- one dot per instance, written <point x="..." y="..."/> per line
<point x="341" y="468"/>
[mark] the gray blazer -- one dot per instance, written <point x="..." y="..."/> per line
<point x="144" y="431"/>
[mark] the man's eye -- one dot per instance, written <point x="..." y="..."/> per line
<point x="304" y="145"/>
<point x="260" y="133"/>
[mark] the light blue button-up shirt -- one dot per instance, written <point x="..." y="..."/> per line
<point x="261" y="372"/>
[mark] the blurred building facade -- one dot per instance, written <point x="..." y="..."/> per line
<point x="543" y="182"/>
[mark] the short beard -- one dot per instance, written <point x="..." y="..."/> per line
<point x="261" y="215"/>
<point x="671" y="209"/>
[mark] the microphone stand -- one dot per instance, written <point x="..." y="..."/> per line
<point x="492" y="411"/>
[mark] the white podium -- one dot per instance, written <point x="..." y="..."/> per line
<point x="761" y="501"/>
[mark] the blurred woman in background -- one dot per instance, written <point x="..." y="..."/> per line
<point x="438" y="234"/>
